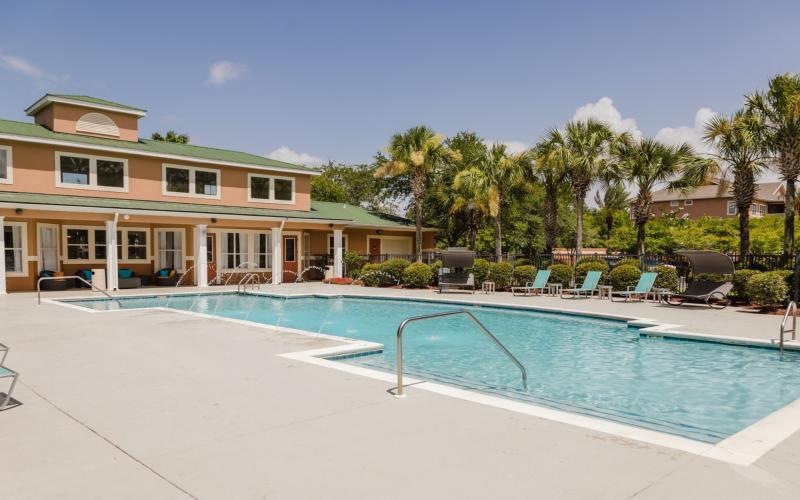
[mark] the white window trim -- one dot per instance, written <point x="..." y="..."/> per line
<point x="23" y="234"/>
<point x="330" y="245"/>
<point x="9" y="178"/>
<point x="123" y="241"/>
<point x="157" y="251"/>
<point x="731" y="208"/>
<point x="192" y="171"/>
<point x="271" y="198"/>
<point x="39" y="226"/>
<point x="251" y="249"/>
<point x="688" y="203"/>
<point x="674" y="203"/>
<point x="92" y="173"/>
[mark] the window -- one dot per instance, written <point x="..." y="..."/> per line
<point x="191" y="181"/>
<point x="270" y="188"/>
<point x="6" y="168"/>
<point x="263" y="251"/>
<point x="758" y="210"/>
<point x="289" y="249"/>
<point x="234" y="250"/>
<point x="48" y="247"/>
<point x="687" y="203"/>
<point x="674" y="203"/>
<point x="169" y="247"/>
<point x="330" y="244"/>
<point x="732" y="208"/>
<point x="14" y="237"/>
<point x="91" y="172"/>
<point x="85" y="244"/>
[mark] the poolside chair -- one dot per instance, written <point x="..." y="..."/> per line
<point x="538" y="284"/>
<point x="587" y="289"/>
<point x="711" y="293"/>
<point x="641" y="290"/>
<point x="7" y="373"/>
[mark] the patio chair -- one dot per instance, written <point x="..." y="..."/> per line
<point x="538" y="284"/>
<point x="588" y="287"/>
<point x="7" y="373"/>
<point x="641" y="290"/>
<point x="711" y="293"/>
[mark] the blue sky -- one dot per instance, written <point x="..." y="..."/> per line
<point x="333" y="80"/>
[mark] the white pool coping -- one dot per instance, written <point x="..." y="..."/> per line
<point x="743" y="448"/>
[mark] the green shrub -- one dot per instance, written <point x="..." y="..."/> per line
<point x="715" y="278"/>
<point x="592" y="265"/>
<point x="352" y="262"/>
<point x="522" y="262"/>
<point x="501" y="274"/>
<point x="667" y="278"/>
<point x="417" y="275"/>
<point x="740" y="279"/>
<point x="621" y="277"/>
<point x="395" y="268"/>
<point x="480" y="269"/>
<point x="523" y="274"/>
<point x="371" y="275"/>
<point x="630" y="262"/>
<point x="591" y="258"/>
<point x="435" y="271"/>
<point x="769" y="290"/>
<point x="560" y="273"/>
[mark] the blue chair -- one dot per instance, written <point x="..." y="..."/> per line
<point x="588" y="287"/>
<point x="538" y="284"/>
<point x="641" y="290"/>
<point x="7" y="373"/>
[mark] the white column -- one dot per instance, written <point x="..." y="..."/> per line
<point x="201" y="255"/>
<point x="3" y="255"/>
<point x="112" y="268"/>
<point x="277" y="256"/>
<point x="337" y="253"/>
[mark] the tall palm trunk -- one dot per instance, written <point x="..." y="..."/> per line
<point x="790" y="207"/>
<point x="550" y="221"/>
<point x="641" y="212"/>
<point x="579" y="223"/>
<point x="498" y="237"/>
<point x="473" y="230"/>
<point x="609" y="223"/>
<point x="418" y="188"/>
<point x="744" y="191"/>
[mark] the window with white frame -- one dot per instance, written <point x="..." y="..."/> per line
<point x="270" y="188"/>
<point x="194" y="182"/>
<point x="88" y="244"/>
<point x="234" y="250"/>
<point x="732" y="208"/>
<point x="758" y="210"/>
<point x="75" y="170"/>
<point x="15" y="238"/>
<point x="262" y="250"/>
<point x="6" y="167"/>
<point x="674" y="203"/>
<point x="169" y="248"/>
<point x="331" y="246"/>
<point x="687" y="203"/>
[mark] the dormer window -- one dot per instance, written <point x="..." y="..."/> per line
<point x="97" y="123"/>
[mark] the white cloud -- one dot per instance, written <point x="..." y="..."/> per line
<point x="511" y="146"/>
<point x="27" y="68"/>
<point x="604" y="111"/>
<point x="285" y="153"/>
<point x="224" y="71"/>
<point x="692" y="135"/>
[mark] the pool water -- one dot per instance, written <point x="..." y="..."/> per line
<point x="701" y="390"/>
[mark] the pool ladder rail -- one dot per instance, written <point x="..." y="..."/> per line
<point x="251" y="279"/>
<point x="483" y="329"/>
<point x="790" y="309"/>
<point x="89" y="283"/>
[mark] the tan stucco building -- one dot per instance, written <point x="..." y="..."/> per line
<point x="714" y="201"/>
<point x="78" y="182"/>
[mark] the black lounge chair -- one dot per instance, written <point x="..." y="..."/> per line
<point x="712" y="293"/>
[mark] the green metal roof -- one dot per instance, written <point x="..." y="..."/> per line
<point x="320" y="210"/>
<point x="94" y="100"/>
<point x="189" y="151"/>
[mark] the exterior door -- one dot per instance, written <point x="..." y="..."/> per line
<point x="48" y="247"/>
<point x="375" y="250"/>
<point x="211" y="255"/>
<point x="289" y="259"/>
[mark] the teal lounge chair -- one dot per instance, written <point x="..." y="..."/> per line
<point x="587" y="289"/>
<point x="538" y="284"/>
<point x="7" y="373"/>
<point x="641" y="290"/>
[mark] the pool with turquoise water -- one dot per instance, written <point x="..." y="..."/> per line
<point x="705" y="391"/>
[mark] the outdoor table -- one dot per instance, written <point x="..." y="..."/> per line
<point x="487" y="287"/>
<point x="604" y="291"/>
<point x="554" y="289"/>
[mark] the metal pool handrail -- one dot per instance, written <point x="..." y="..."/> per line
<point x="43" y="278"/>
<point x="480" y="325"/>
<point x="791" y="308"/>
<point x="247" y="279"/>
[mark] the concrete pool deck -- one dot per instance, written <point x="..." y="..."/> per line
<point x="158" y="404"/>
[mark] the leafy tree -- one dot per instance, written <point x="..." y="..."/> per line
<point x="779" y="110"/>
<point x="583" y="150"/>
<point x="355" y="184"/>
<point x="549" y="171"/>
<point x="741" y="153"/>
<point x="417" y="154"/>
<point x="496" y="175"/>
<point x="171" y="136"/>
<point x="462" y="205"/>
<point x="613" y="200"/>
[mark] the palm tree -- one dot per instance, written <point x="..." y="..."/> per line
<point x="170" y="136"/>
<point x="464" y="202"/>
<point x="779" y="110"/>
<point x="417" y="153"/>
<point x="496" y="175"/>
<point x="645" y="164"/>
<point x="549" y="171"/>
<point x="740" y="152"/>
<point x="583" y="149"/>
<point x="614" y="199"/>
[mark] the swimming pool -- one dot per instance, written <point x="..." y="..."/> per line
<point x="599" y="367"/>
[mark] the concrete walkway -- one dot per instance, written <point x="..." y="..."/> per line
<point x="156" y="404"/>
